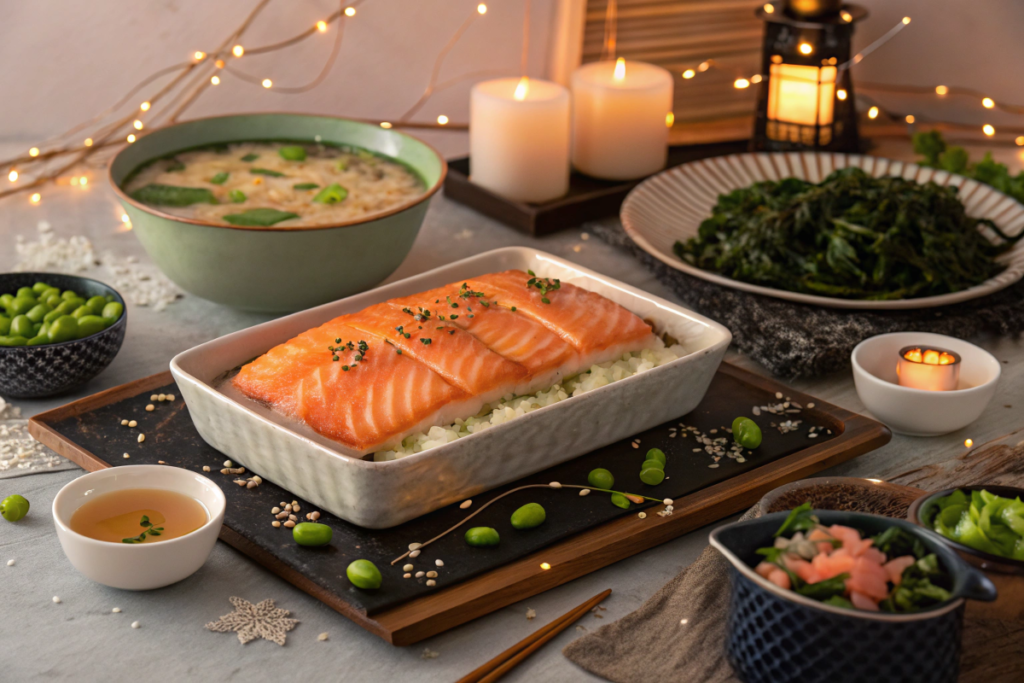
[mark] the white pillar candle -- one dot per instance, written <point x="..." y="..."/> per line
<point x="621" y="116"/>
<point x="519" y="138"/>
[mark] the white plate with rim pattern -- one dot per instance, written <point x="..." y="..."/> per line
<point x="670" y="206"/>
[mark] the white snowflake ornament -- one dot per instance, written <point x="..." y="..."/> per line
<point x="251" y="621"/>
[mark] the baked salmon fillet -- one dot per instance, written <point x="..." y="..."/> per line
<point x="371" y="378"/>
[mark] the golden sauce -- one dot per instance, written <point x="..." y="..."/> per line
<point x="116" y="516"/>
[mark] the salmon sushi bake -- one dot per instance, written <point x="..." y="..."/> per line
<point x="415" y="372"/>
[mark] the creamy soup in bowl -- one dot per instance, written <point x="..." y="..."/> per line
<point x="274" y="184"/>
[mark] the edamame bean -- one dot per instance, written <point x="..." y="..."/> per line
<point x="482" y="536"/>
<point x="529" y="516"/>
<point x="76" y="302"/>
<point x="659" y="455"/>
<point x="112" y="311"/>
<point x="312" y="533"/>
<point x="64" y="328"/>
<point x="21" y="326"/>
<point x="69" y="294"/>
<point x="14" y="507"/>
<point x="40" y="287"/>
<point x="39" y="340"/>
<point x="22" y="305"/>
<point x="652" y="476"/>
<point x="13" y="341"/>
<point x="81" y="311"/>
<point x="6" y="300"/>
<point x="364" y="574"/>
<point x="619" y="500"/>
<point x="96" y="304"/>
<point x="746" y="432"/>
<point x="601" y="478"/>
<point x="26" y="291"/>
<point x="90" y="324"/>
<point x="653" y="464"/>
<point x="38" y="312"/>
<point x="52" y="299"/>
<point x="5" y="325"/>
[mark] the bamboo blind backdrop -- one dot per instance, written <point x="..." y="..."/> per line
<point x="679" y="35"/>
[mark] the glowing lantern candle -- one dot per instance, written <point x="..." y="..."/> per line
<point x="519" y="138"/>
<point x="928" y="369"/>
<point x="620" y="115"/>
<point x="802" y="95"/>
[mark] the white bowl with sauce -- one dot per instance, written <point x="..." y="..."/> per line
<point x="139" y="566"/>
<point x="919" y="412"/>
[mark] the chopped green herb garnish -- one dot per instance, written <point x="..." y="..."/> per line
<point x="452" y="303"/>
<point x="513" y="309"/>
<point x="293" y="153"/>
<point x="250" y="157"/>
<point x="305" y="186"/>
<point x="266" y="172"/>
<point x="237" y="196"/>
<point x="259" y="217"/>
<point x="545" y="285"/>
<point x="220" y="178"/>
<point x="425" y="342"/>
<point x="149" y="529"/>
<point x="345" y="368"/>
<point x="454" y="317"/>
<point x="332" y="194"/>
<point x="173" y="195"/>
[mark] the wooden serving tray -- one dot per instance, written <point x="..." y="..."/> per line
<point x="580" y="535"/>
<point x="588" y="199"/>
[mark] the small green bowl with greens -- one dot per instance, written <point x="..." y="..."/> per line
<point x="291" y="227"/>
<point x="984" y="524"/>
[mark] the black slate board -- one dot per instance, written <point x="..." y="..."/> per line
<point x="171" y="438"/>
<point x="588" y="199"/>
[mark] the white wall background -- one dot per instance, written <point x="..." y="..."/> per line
<point x="61" y="61"/>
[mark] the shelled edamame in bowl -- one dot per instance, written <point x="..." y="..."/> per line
<point x="276" y="212"/>
<point x="56" y="332"/>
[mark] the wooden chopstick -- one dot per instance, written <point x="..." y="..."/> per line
<point x="503" y="663"/>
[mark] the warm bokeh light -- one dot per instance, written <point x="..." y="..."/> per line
<point x="689" y="73"/>
<point x="1020" y="140"/>
<point x="124" y="218"/>
<point x="910" y="118"/>
<point x="35" y="198"/>
<point x="34" y="152"/>
<point x="481" y="8"/>
<point x="906" y="20"/>
<point x="219" y="64"/>
<point x="145" y="106"/>
<point x="131" y="138"/>
<point x="988" y="103"/>
<point x="545" y="566"/>
<point x="442" y="120"/>
<point x="199" y="55"/>
<point x="385" y="124"/>
<point x="670" y="119"/>
<point x="756" y="78"/>
<point x="873" y="113"/>
<point x="267" y="83"/>
<point x="988" y="129"/>
<point x="238" y="50"/>
<point x="841" y="94"/>
<point x="741" y="83"/>
<point x="214" y="80"/>
<point x="87" y="142"/>
<point x="13" y="176"/>
<point x="847" y="17"/>
<point x="703" y="66"/>
<point x="929" y="357"/>
<point x="83" y="181"/>
<point x="350" y="11"/>
<point x="941" y="90"/>
<point x="968" y="442"/>
<point x="805" y="48"/>
<point x="769" y="8"/>
<point x="321" y="26"/>
<point x="137" y="124"/>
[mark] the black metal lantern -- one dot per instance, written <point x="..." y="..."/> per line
<point x="806" y="94"/>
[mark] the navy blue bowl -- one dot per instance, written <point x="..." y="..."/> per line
<point x="48" y="369"/>
<point x="776" y="635"/>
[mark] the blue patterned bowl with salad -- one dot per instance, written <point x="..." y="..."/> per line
<point x="820" y="595"/>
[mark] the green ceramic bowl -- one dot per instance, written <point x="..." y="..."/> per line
<point x="284" y="269"/>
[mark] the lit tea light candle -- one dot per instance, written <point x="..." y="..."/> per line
<point x="929" y="369"/>
<point x="519" y="138"/>
<point x="621" y="119"/>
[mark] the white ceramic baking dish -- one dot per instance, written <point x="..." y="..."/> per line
<point x="383" y="494"/>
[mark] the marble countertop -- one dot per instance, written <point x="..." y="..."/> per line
<point x="81" y="639"/>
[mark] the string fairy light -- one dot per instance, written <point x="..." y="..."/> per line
<point x="873" y="113"/>
<point x="215" y="80"/>
<point x="350" y="11"/>
<point x="442" y="120"/>
<point x="137" y="124"/>
<point x="988" y="103"/>
<point x="1019" y="140"/>
<point x="321" y="26"/>
<point x="689" y="73"/>
<point x="267" y="83"/>
<point x="238" y="50"/>
<point x="35" y="197"/>
<point x="13" y="176"/>
<point x="988" y="129"/>
<point x="481" y="8"/>
<point x="910" y="118"/>
<point x="941" y="90"/>
<point x="741" y="83"/>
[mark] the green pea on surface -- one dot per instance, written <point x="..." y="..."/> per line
<point x="482" y="537"/>
<point x="653" y="464"/>
<point x="657" y="454"/>
<point x="746" y="432"/>
<point x="14" y="507"/>
<point x="601" y="478"/>
<point x="364" y="574"/>
<point x="312" y="533"/>
<point x="652" y="476"/>
<point x="619" y="500"/>
<point x="529" y="516"/>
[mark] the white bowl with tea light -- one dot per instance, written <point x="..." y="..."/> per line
<point x="139" y="527"/>
<point x="924" y="384"/>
